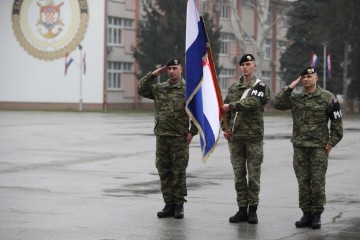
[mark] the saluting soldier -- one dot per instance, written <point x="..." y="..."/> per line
<point x="244" y="105"/>
<point x="311" y="109"/>
<point x="173" y="134"/>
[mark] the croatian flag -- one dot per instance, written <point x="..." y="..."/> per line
<point x="203" y="98"/>
<point x="314" y="60"/>
<point x="68" y="61"/>
<point x="329" y="67"/>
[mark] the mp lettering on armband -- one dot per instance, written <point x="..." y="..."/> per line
<point x="258" y="90"/>
<point x="336" y="111"/>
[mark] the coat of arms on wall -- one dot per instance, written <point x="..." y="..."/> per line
<point x="48" y="29"/>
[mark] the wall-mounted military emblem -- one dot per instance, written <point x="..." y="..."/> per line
<point x="48" y="29"/>
<point x="50" y="20"/>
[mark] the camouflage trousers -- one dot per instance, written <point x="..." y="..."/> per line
<point x="172" y="157"/>
<point x="310" y="165"/>
<point x="246" y="159"/>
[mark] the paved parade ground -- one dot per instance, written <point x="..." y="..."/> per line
<point x="92" y="176"/>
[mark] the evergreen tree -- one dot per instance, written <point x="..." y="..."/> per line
<point x="352" y="37"/>
<point x="162" y="35"/>
<point x="314" y="23"/>
<point x="354" y="74"/>
<point x="298" y="54"/>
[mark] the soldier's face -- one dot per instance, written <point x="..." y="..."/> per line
<point x="174" y="72"/>
<point x="309" y="80"/>
<point x="248" y="68"/>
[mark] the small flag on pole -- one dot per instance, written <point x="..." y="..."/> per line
<point x="314" y="60"/>
<point x="68" y="61"/>
<point x="329" y="67"/>
<point x="203" y="97"/>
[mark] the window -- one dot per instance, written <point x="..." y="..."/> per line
<point x="283" y="83"/>
<point x="268" y="19"/>
<point x="266" y="76"/>
<point x="284" y="22"/>
<point x="267" y="49"/>
<point x="284" y="19"/>
<point x="224" y="11"/>
<point x="248" y="3"/>
<point x="114" y="72"/>
<point x="203" y="6"/>
<point x="224" y="76"/>
<point x="114" y="31"/>
<point x="279" y="80"/>
<point x="246" y="38"/>
<point x="146" y="2"/>
<point x="225" y="39"/>
<point x="280" y="44"/>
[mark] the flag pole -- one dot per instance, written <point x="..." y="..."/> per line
<point x="324" y="68"/>
<point x="213" y="72"/>
<point x="81" y="67"/>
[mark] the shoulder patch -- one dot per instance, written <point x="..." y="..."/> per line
<point x="336" y="111"/>
<point x="258" y="90"/>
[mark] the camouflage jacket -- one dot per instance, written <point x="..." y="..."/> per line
<point x="171" y="118"/>
<point x="246" y="116"/>
<point x="311" y="114"/>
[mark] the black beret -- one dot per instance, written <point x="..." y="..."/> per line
<point x="173" y="61"/>
<point x="246" y="58"/>
<point x="308" y="70"/>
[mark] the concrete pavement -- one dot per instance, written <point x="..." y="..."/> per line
<point x="69" y="175"/>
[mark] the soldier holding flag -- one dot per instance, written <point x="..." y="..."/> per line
<point x="244" y="106"/>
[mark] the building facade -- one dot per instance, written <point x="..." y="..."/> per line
<point x="103" y="75"/>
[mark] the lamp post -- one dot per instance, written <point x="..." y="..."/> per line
<point x="81" y="69"/>
<point x="324" y="68"/>
<point x="158" y="66"/>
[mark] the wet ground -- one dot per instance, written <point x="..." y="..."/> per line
<point x="68" y="175"/>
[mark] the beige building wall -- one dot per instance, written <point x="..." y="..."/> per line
<point x="117" y="69"/>
<point x="33" y="49"/>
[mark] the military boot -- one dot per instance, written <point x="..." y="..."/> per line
<point x="240" y="216"/>
<point x="168" y="211"/>
<point x="316" y="221"/>
<point x="179" y="211"/>
<point x="305" y="220"/>
<point x="253" y="219"/>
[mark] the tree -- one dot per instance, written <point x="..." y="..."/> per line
<point x="354" y="74"/>
<point x="162" y="33"/>
<point x="331" y="22"/>
<point x="262" y="12"/>
<point x="345" y="24"/>
<point x="298" y="55"/>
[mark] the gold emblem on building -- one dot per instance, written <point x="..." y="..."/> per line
<point x="48" y="29"/>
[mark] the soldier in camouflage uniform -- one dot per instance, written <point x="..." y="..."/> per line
<point x="173" y="134"/>
<point x="244" y="105"/>
<point x="311" y="110"/>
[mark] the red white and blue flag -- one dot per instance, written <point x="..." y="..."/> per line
<point x="203" y="98"/>
<point x="329" y="67"/>
<point x="314" y="60"/>
<point x="68" y="61"/>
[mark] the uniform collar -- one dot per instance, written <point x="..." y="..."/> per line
<point x="316" y="93"/>
<point x="251" y="83"/>
<point x="179" y="84"/>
